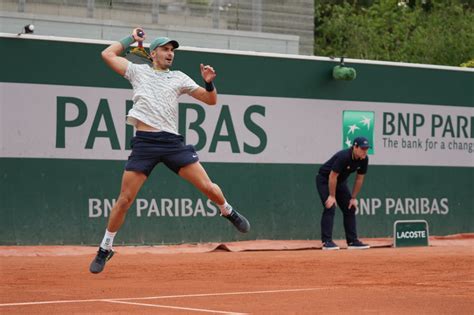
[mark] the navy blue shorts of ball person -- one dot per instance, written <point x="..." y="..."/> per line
<point x="151" y="148"/>
<point x="331" y="183"/>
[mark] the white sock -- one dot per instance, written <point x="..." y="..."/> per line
<point x="226" y="208"/>
<point x="108" y="240"/>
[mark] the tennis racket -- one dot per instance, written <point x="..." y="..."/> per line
<point x="138" y="54"/>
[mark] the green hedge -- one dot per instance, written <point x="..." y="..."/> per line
<point x="391" y="30"/>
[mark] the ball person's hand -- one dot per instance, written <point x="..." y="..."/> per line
<point x="330" y="202"/>
<point x="208" y="73"/>
<point x="353" y="203"/>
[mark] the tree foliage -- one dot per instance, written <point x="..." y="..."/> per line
<point x="416" y="31"/>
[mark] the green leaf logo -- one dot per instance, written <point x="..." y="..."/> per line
<point x="357" y="124"/>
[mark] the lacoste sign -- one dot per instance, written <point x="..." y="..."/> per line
<point x="410" y="233"/>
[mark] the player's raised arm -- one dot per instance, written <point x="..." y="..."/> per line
<point x="111" y="54"/>
<point x="209" y="94"/>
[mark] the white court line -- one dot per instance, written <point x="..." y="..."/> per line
<point x="219" y="294"/>
<point x="160" y="297"/>
<point x="175" y="307"/>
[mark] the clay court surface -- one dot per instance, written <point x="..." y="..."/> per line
<point x="261" y="277"/>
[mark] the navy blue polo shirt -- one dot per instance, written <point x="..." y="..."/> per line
<point x="343" y="164"/>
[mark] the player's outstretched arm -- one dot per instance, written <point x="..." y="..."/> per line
<point x="111" y="55"/>
<point x="207" y="95"/>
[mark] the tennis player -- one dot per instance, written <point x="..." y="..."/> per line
<point x="155" y="116"/>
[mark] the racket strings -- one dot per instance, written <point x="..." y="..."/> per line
<point x="141" y="52"/>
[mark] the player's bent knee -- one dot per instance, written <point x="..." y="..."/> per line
<point x="210" y="189"/>
<point x="207" y="187"/>
<point x="124" y="202"/>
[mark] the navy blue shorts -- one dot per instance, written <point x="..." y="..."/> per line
<point x="151" y="148"/>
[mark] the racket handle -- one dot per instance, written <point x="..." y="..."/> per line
<point x="140" y="33"/>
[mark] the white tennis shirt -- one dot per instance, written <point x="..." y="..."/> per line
<point x="155" y="96"/>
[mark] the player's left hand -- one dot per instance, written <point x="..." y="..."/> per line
<point x="208" y="73"/>
<point x="353" y="203"/>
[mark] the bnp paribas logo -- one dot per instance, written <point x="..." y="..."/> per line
<point x="357" y="124"/>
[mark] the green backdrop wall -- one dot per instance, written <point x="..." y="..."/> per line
<point x="288" y="109"/>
